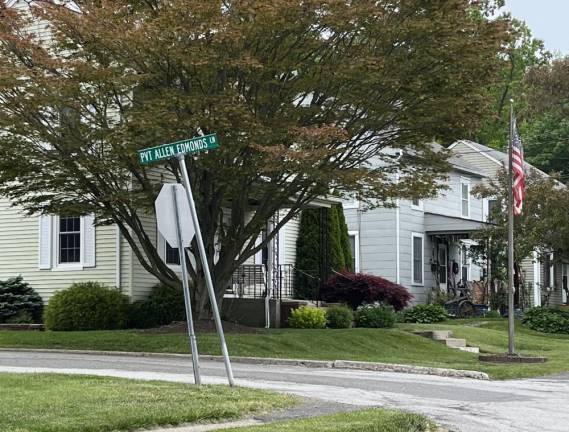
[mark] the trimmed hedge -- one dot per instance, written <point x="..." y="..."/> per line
<point x="19" y="302"/>
<point x="163" y="306"/>
<point x="87" y="306"/>
<point x="425" y="314"/>
<point x="339" y="317"/>
<point x="547" y="320"/>
<point x="375" y="316"/>
<point x="356" y="289"/>
<point x="306" y="317"/>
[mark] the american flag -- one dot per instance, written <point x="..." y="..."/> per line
<point x="519" y="185"/>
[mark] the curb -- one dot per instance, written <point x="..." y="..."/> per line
<point x="316" y="364"/>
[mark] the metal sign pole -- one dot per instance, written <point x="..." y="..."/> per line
<point x="187" y="301"/>
<point x="203" y="256"/>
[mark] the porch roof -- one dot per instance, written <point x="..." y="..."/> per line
<point x="440" y="224"/>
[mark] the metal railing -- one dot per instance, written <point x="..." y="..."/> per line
<point x="250" y="281"/>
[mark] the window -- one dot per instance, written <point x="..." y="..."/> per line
<point x="417" y="254"/>
<point x="493" y="206"/>
<point x="69" y="250"/>
<point x="172" y="255"/>
<point x="355" y="245"/>
<point x="465" y="264"/>
<point x="465" y="197"/>
<point x="66" y="243"/>
<point x="417" y="204"/>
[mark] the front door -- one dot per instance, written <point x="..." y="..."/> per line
<point x="443" y="267"/>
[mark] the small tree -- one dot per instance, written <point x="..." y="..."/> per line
<point x="542" y="226"/>
<point x="310" y="254"/>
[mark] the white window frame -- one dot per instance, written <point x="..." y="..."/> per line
<point x="422" y="237"/>
<point x="419" y="206"/>
<point x="465" y="181"/>
<point x="59" y="266"/>
<point x="356" y="235"/>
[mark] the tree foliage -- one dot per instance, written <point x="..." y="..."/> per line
<point x="542" y="226"/>
<point x="546" y="128"/>
<point x="301" y="93"/>
<point x="311" y="257"/>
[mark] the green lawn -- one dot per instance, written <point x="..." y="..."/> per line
<point x="382" y="345"/>
<point x="59" y="403"/>
<point x="362" y="421"/>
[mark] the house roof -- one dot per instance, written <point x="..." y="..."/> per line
<point x="458" y="162"/>
<point x="498" y="157"/>
<point x="71" y="5"/>
<point x="440" y="224"/>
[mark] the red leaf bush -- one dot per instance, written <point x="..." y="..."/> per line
<point x="356" y="289"/>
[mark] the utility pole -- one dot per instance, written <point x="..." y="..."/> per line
<point x="511" y="336"/>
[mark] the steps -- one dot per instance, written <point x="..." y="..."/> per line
<point x="445" y="336"/>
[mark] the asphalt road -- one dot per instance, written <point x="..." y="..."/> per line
<point x="460" y="404"/>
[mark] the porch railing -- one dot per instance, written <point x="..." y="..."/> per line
<point x="250" y="281"/>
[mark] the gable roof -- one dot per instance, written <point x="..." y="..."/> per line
<point x="458" y="162"/>
<point x="498" y="157"/>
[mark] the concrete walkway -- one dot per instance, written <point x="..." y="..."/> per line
<point x="460" y="404"/>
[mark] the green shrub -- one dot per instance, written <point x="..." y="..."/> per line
<point x="425" y="314"/>
<point x="19" y="302"/>
<point x="306" y="317"/>
<point x="547" y="320"/>
<point x="493" y="314"/>
<point x="375" y="316"/>
<point x="339" y="317"/>
<point x="163" y="306"/>
<point x="87" y="306"/>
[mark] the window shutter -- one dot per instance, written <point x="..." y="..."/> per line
<point x="45" y="242"/>
<point x="89" y="241"/>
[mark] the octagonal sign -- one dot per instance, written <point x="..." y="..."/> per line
<point x="166" y="215"/>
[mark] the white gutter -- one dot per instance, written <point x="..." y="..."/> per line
<point x="118" y="257"/>
<point x="397" y="229"/>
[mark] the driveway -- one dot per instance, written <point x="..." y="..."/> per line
<point x="460" y="404"/>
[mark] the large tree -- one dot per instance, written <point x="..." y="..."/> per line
<point x="546" y="125"/>
<point x="301" y="93"/>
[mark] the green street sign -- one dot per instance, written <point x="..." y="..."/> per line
<point x="168" y="151"/>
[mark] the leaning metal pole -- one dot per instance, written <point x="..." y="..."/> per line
<point x="185" y="285"/>
<point x="205" y="265"/>
<point x="511" y="343"/>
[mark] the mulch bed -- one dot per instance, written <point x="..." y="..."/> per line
<point x="506" y="358"/>
<point x="202" y="326"/>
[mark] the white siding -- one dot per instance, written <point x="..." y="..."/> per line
<point x="19" y="246"/>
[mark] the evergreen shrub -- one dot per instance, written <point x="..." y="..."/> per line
<point x="87" y="306"/>
<point x="425" y="314"/>
<point x="19" y="302"/>
<point x="338" y="317"/>
<point x="306" y="317"/>
<point x="375" y="315"/>
<point x="163" y="306"/>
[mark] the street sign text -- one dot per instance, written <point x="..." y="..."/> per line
<point x="169" y="151"/>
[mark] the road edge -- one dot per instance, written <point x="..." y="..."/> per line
<point x="320" y="364"/>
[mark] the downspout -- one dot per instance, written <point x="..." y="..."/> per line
<point x="397" y="227"/>
<point x="118" y="259"/>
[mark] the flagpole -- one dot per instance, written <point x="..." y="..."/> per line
<point x="511" y="342"/>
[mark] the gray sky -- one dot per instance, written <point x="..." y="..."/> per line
<point x="547" y="19"/>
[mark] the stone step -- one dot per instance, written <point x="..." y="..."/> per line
<point x="455" y="343"/>
<point x="439" y="335"/>
<point x="470" y="349"/>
